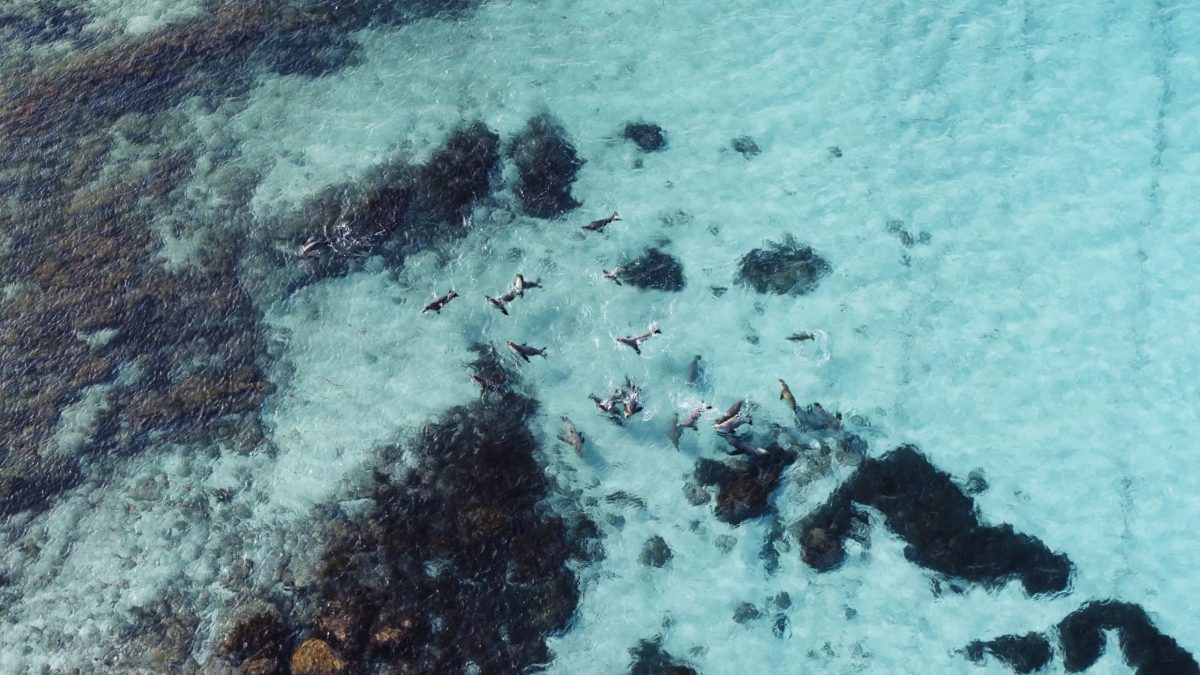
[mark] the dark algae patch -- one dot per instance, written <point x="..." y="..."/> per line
<point x="649" y="658"/>
<point x="938" y="523"/>
<point x="647" y="136"/>
<point x="744" y="486"/>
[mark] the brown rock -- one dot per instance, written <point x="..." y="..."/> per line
<point x="315" y="657"/>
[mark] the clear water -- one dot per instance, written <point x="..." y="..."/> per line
<point x="1044" y="334"/>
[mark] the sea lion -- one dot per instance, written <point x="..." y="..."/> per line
<point x="636" y="341"/>
<point x="694" y="370"/>
<point x="689" y="422"/>
<point x="571" y="436"/>
<point x="313" y="246"/>
<point x="599" y="225"/>
<point x="801" y="337"/>
<point x="501" y="301"/>
<point x="743" y="445"/>
<point x="728" y="426"/>
<point x="437" y="305"/>
<point x="732" y="412"/>
<point x="674" y="430"/>
<point x="521" y="284"/>
<point x="786" y="395"/>
<point x="525" y="351"/>
<point x="614" y="275"/>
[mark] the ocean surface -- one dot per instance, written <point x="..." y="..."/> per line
<point x="989" y="208"/>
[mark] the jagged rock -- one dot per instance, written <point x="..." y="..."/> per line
<point x="648" y="137"/>
<point x="655" y="270"/>
<point x="939" y="524"/>
<point x="655" y="552"/>
<point x="546" y="165"/>
<point x="783" y="268"/>
<point x="695" y="494"/>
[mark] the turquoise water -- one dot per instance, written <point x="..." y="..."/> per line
<point x="1030" y="318"/>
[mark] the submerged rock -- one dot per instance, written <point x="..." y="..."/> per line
<point x="746" y="612"/>
<point x="938" y="522"/>
<point x="1023" y="653"/>
<point x="649" y="658"/>
<point x="655" y="552"/>
<point x="1145" y="648"/>
<point x="647" y="136"/>
<point x="783" y="268"/>
<point x="655" y="270"/>
<point x="546" y="165"/>
<point x="744" y="487"/>
<point x="746" y="147"/>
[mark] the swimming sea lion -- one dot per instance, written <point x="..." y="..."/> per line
<point x="439" y="303"/>
<point x="571" y="436"/>
<point x="786" y="395"/>
<point x="732" y="412"/>
<point x="599" y="225"/>
<point x="525" y="351"/>
<point x="636" y="341"/>
<point x="674" y="430"/>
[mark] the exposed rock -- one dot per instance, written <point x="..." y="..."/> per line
<point x="939" y="524"/>
<point x="744" y="487"/>
<point x="783" y="600"/>
<point x="546" y="167"/>
<point x="655" y="552"/>
<point x="746" y="612"/>
<point x="315" y="657"/>
<point x="655" y="270"/>
<point x="649" y="658"/>
<point x="648" y="137"/>
<point x="1023" y="653"/>
<point x="976" y="482"/>
<point x="783" y="268"/>
<point x="746" y="147"/>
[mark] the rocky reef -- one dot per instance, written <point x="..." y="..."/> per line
<point x="744" y="486"/>
<point x="937" y="521"/>
<point x="458" y="564"/>
<point x="649" y="658"/>
<point x="784" y="268"/>
<point x="546" y="164"/>
<point x="654" y="270"/>
<point x="1023" y="653"/>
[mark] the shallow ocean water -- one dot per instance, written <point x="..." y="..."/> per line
<point x="1042" y="332"/>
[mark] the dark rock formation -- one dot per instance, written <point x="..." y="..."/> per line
<point x="1145" y="648"/>
<point x="649" y="658"/>
<point x="939" y="524"/>
<point x="648" y="137"/>
<point x="655" y="552"/>
<point x="457" y="562"/>
<point x="655" y="270"/>
<point x="546" y="167"/>
<point x="744" y="487"/>
<point x="1023" y="653"/>
<point x="784" y="268"/>
<point x="746" y="147"/>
